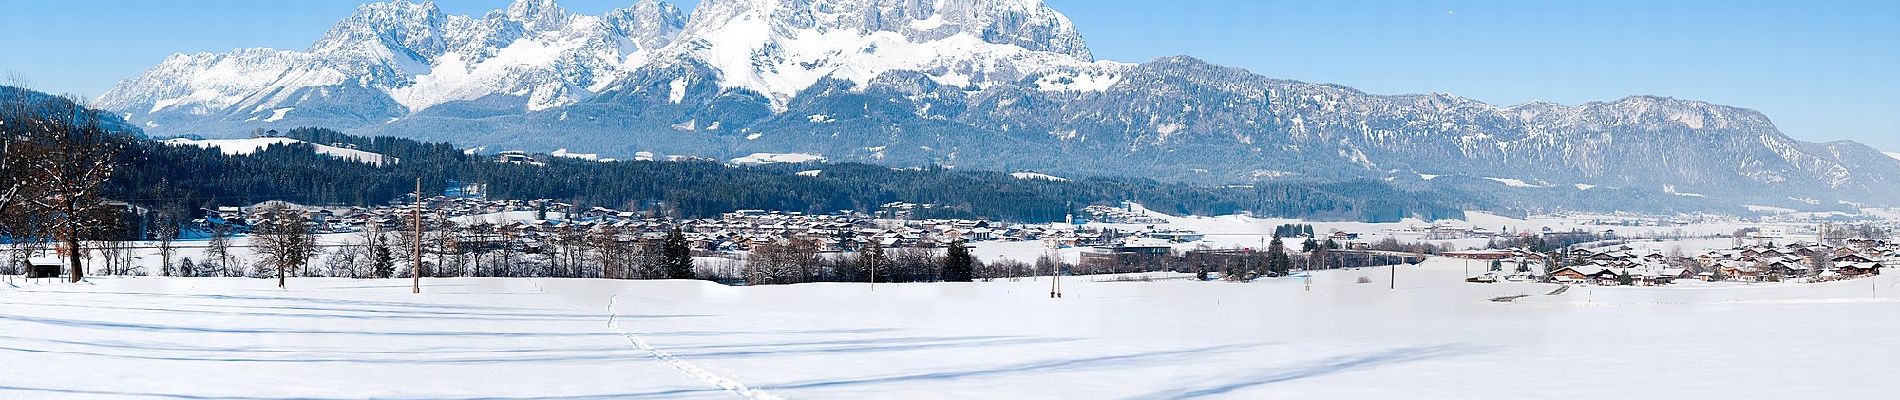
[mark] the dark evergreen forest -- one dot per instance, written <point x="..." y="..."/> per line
<point x="160" y="176"/>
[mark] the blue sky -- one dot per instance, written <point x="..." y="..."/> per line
<point x="1822" y="70"/>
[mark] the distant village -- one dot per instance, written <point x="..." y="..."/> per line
<point x="528" y="225"/>
<point x="1115" y="239"/>
<point x="1624" y="266"/>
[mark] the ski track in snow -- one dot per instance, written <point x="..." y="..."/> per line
<point x="731" y="385"/>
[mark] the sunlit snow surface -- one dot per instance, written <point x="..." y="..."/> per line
<point x="775" y="158"/>
<point x="1037" y="176"/>
<point x="1433" y="337"/>
<point x="253" y="145"/>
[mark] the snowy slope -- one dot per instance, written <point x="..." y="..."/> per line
<point x="1518" y="183"/>
<point x="243" y="338"/>
<point x="1025" y="175"/>
<point x="777" y="158"/>
<point x="780" y="47"/>
<point x="1432" y="338"/>
<point x="253" y="145"/>
<point x="409" y="57"/>
<point x="392" y="59"/>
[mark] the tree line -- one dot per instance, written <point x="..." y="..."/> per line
<point x="187" y="177"/>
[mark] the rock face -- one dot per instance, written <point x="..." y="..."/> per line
<point x="392" y="60"/>
<point x="997" y="84"/>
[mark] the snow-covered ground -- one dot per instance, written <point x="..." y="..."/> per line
<point x="1520" y="183"/>
<point x="1026" y="175"/>
<point x="775" y="158"/>
<point x="1231" y="231"/>
<point x="1433" y="337"/>
<point x="581" y="156"/>
<point x="253" y="145"/>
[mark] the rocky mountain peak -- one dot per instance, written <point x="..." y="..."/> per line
<point x="777" y="48"/>
<point x="406" y="28"/>
<point x="1028" y="24"/>
<point x="652" y="24"/>
<point x="538" y="15"/>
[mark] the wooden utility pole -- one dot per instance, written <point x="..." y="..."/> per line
<point x="415" y="272"/>
<point x="1395" y="273"/>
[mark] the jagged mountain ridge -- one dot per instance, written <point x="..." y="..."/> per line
<point x="978" y="83"/>
<point x="393" y="59"/>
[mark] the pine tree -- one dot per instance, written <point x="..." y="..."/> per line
<point x="677" y="256"/>
<point x="1277" y="260"/>
<point x="958" y="265"/>
<point x="382" y="264"/>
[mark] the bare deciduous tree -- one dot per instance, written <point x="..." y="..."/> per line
<point x="66" y="157"/>
<point x="166" y="231"/>
<point x="282" y="239"/>
<point x="218" y="249"/>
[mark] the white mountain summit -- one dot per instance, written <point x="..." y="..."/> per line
<point x="389" y="60"/>
<point x="394" y="59"/>
<point x="779" y="47"/>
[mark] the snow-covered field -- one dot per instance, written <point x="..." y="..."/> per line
<point x="775" y="158"/>
<point x="1231" y="231"/>
<point x="1433" y="337"/>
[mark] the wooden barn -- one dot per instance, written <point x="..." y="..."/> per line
<point x="44" y="267"/>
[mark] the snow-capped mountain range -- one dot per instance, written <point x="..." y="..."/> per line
<point x="394" y="59"/>
<point x="996" y="84"/>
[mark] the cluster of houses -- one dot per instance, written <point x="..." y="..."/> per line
<point x="1806" y="261"/>
<point x="1619" y="266"/>
<point x="846" y="231"/>
<point x="1765" y="262"/>
<point x="529" y="225"/>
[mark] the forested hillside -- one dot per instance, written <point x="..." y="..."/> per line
<point x="185" y="178"/>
